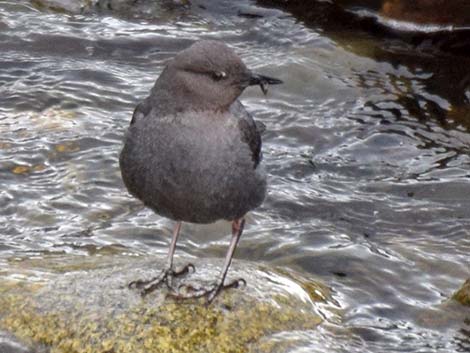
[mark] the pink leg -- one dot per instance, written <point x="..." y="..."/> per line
<point x="212" y="291"/>
<point x="166" y="276"/>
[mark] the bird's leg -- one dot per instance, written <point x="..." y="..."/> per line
<point x="214" y="289"/>
<point x="167" y="274"/>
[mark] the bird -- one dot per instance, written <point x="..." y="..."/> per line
<point x="192" y="153"/>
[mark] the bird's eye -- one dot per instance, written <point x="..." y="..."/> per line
<point x="218" y="75"/>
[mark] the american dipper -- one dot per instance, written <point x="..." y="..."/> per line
<point x="192" y="152"/>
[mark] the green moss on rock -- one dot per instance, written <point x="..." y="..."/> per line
<point x="60" y="317"/>
<point x="463" y="294"/>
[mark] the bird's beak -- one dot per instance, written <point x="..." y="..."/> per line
<point x="263" y="81"/>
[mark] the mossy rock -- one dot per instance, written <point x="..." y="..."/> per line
<point x="463" y="294"/>
<point x="71" y="310"/>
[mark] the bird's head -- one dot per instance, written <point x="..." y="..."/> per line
<point x="210" y="74"/>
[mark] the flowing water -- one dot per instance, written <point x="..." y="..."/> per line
<point x="367" y="149"/>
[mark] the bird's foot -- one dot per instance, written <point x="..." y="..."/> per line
<point x="210" y="291"/>
<point x="166" y="276"/>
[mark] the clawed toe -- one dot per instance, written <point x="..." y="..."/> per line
<point x="186" y="269"/>
<point x="189" y="291"/>
<point x="137" y="284"/>
<point x="236" y="283"/>
<point x="166" y="277"/>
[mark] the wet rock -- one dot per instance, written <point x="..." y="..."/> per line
<point x="82" y="304"/>
<point x="72" y="6"/>
<point x="441" y="50"/>
<point x="151" y="9"/>
<point x="463" y="294"/>
<point x="86" y="6"/>
<point x="443" y="12"/>
<point x="444" y="23"/>
<point x="315" y="13"/>
<point x="252" y="11"/>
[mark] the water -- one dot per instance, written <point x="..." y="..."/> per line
<point x="367" y="149"/>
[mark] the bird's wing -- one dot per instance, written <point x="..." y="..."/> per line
<point x="248" y="130"/>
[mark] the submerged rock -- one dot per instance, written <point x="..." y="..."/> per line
<point x="463" y="294"/>
<point x="82" y="304"/>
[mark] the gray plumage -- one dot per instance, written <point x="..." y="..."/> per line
<point x="192" y="152"/>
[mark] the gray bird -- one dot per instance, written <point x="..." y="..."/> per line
<point x="192" y="152"/>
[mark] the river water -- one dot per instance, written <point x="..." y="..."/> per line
<point x="367" y="149"/>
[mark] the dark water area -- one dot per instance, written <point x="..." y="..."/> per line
<point x="367" y="150"/>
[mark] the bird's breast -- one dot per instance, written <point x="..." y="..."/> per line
<point x="180" y="164"/>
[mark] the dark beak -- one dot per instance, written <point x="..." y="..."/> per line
<point x="263" y="81"/>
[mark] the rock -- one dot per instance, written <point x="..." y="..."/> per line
<point x="463" y="294"/>
<point x="122" y="7"/>
<point x="72" y="6"/>
<point x="82" y="304"/>
<point x="442" y="12"/>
